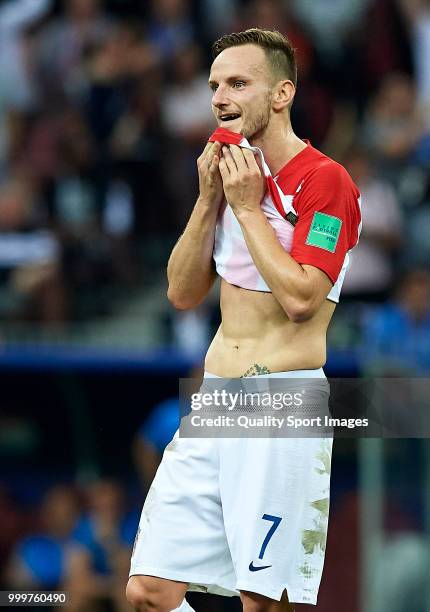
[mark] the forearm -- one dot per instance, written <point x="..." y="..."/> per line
<point x="289" y="282"/>
<point x="190" y="270"/>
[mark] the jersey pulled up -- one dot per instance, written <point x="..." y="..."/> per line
<point x="314" y="208"/>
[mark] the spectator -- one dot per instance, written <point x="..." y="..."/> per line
<point x="417" y="13"/>
<point x="116" y="69"/>
<point x="62" y="46"/>
<point x="170" y="26"/>
<point x="418" y="231"/>
<point x="136" y="145"/>
<point x="314" y="107"/>
<point x="112" y="67"/>
<point x="186" y="104"/>
<point x="383" y="46"/>
<point x="268" y="14"/>
<point x="17" y="90"/>
<point x="217" y="17"/>
<point x="105" y="533"/>
<point x="372" y="265"/>
<point x="397" y="334"/>
<point x="153" y="437"/>
<point x="118" y="225"/>
<point x="276" y="15"/>
<point x="329" y="25"/>
<point x="159" y="428"/>
<point x="188" y="119"/>
<point x="393" y="126"/>
<point x="29" y="256"/>
<point x="12" y="522"/>
<point x="42" y="561"/>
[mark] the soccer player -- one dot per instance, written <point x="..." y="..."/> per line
<point x="275" y="219"/>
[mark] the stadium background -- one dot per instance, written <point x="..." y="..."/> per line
<point x="104" y="107"/>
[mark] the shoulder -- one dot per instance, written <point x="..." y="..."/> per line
<point x="329" y="174"/>
<point x="327" y="184"/>
<point x="312" y="170"/>
<point x="326" y="193"/>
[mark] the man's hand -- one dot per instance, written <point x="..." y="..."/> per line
<point x="210" y="183"/>
<point x="243" y="181"/>
<point x="191" y="271"/>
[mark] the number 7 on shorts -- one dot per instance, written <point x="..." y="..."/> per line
<point x="275" y="520"/>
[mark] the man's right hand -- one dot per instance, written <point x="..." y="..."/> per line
<point x="191" y="271"/>
<point x="210" y="183"/>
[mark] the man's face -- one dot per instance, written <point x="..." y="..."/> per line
<point x="241" y="82"/>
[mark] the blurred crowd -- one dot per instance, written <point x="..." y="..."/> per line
<point x="104" y="107"/>
<point x="76" y="540"/>
<point x="79" y="538"/>
<point x="77" y="535"/>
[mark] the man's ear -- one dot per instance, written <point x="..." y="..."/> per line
<point x="283" y="95"/>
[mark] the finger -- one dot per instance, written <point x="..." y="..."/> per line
<point x="206" y="149"/>
<point x="213" y="165"/>
<point x="238" y="156"/>
<point x="251" y="161"/>
<point x="216" y="148"/>
<point x="227" y="156"/>
<point x="223" y="168"/>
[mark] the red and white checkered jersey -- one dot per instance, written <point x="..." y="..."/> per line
<point x="314" y="208"/>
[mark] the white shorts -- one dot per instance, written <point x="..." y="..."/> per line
<point x="249" y="514"/>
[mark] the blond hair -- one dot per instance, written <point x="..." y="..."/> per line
<point x="280" y="54"/>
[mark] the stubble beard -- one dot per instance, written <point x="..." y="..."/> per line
<point x="258" y="124"/>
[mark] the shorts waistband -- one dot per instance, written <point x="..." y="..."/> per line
<point x="317" y="373"/>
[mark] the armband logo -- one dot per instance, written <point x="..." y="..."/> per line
<point x="324" y="232"/>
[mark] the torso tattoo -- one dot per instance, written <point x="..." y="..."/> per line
<point x="256" y="370"/>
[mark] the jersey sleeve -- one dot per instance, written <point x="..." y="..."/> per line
<point x="328" y="219"/>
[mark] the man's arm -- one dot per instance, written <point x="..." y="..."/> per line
<point x="299" y="288"/>
<point x="190" y="271"/>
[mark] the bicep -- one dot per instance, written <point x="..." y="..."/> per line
<point x="328" y="224"/>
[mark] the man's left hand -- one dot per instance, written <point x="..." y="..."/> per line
<point x="244" y="183"/>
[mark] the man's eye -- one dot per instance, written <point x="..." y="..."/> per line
<point x="214" y="88"/>
<point x="238" y="84"/>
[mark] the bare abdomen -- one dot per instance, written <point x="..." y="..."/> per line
<point x="256" y="331"/>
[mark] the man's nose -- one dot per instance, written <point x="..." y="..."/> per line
<point x="219" y="97"/>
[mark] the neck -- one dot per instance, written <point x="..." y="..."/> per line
<point x="279" y="145"/>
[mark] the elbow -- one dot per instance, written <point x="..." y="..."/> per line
<point x="300" y="311"/>
<point x="180" y="302"/>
